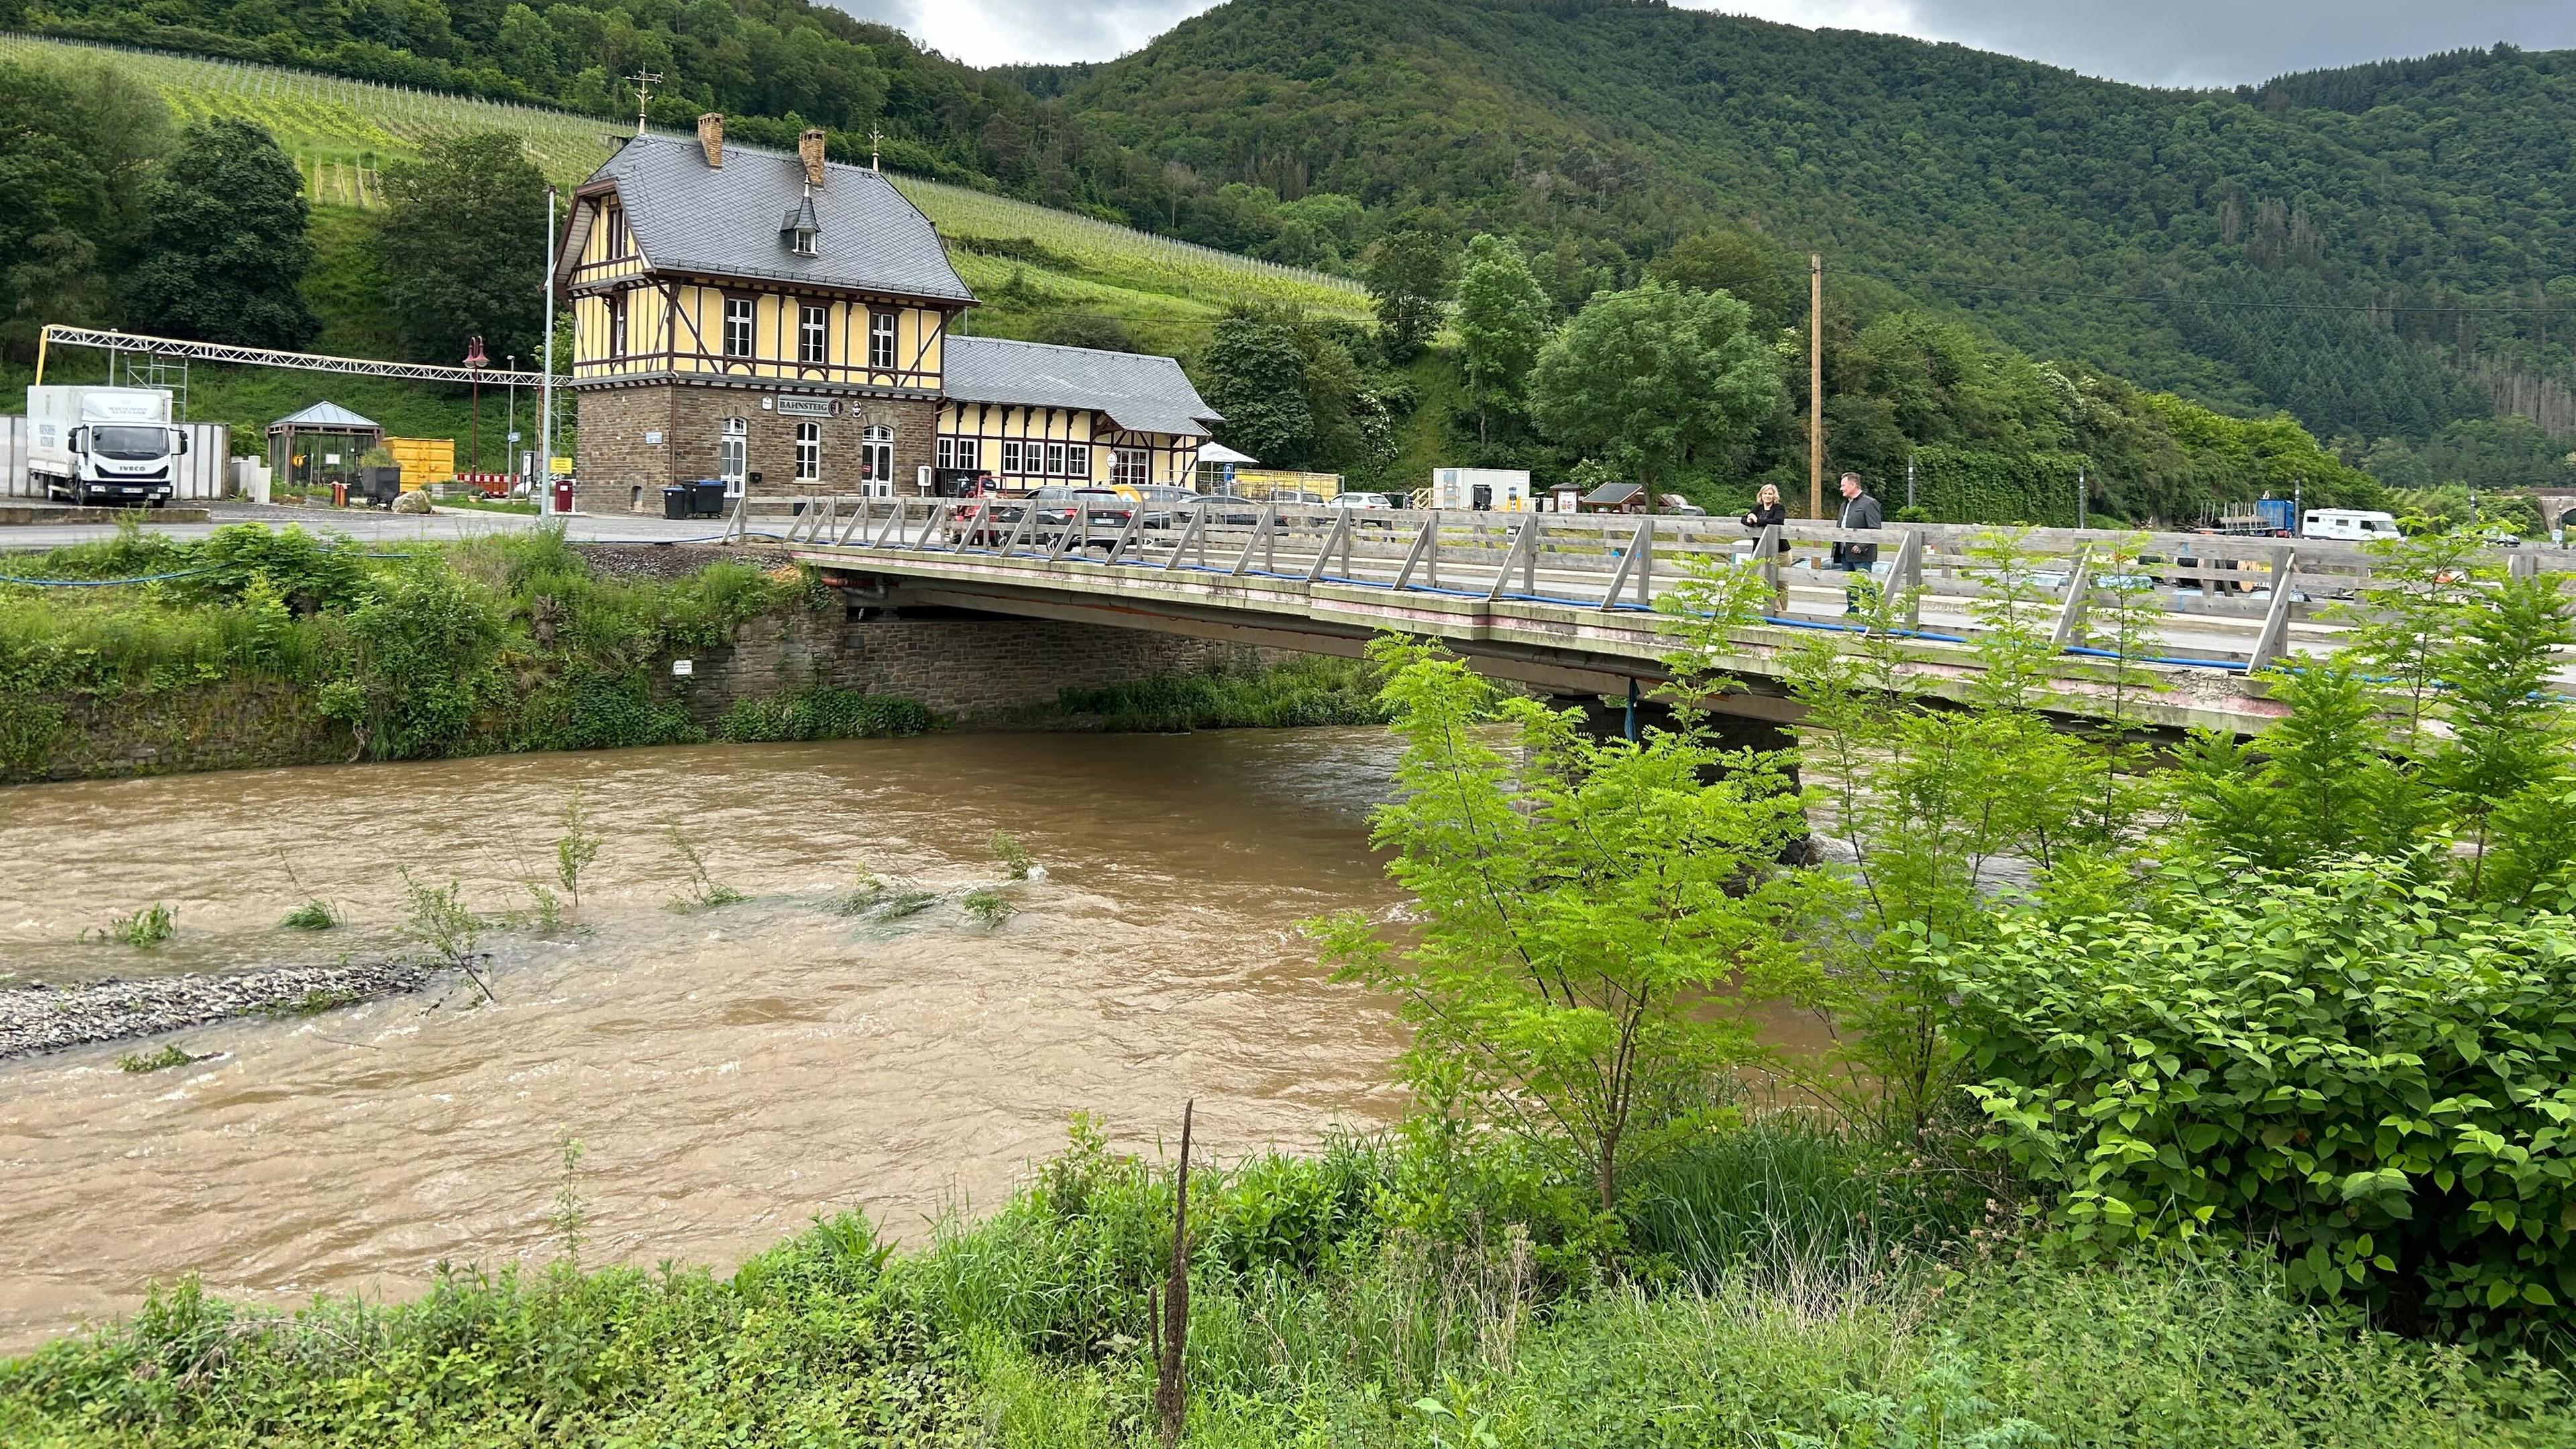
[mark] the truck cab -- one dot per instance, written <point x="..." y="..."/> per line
<point x="93" y="445"/>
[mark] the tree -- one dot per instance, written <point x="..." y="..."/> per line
<point x="1408" y="279"/>
<point x="463" y="248"/>
<point x="1503" y="319"/>
<point x="1256" y="376"/>
<point x="1726" y="260"/>
<point x="224" y="243"/>
<point x="1587" y="911"/>
<point x="1657" y="376"/>
<point x="72" y="184"/>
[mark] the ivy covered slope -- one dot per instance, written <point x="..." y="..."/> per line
<point x="254" y="647"/>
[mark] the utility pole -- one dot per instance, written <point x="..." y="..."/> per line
<point x="1815" y="384"/>
<point x="546" y="385"/>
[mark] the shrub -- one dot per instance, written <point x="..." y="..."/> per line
<point x="824" y="714"/>
<point x="2349" y="1062"/>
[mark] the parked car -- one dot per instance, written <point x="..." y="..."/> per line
<point x="1160" y="500"/>
<point x="1230" y="511"/>
<point x="1102" y="511"/>
<point x="1360" y="500"/>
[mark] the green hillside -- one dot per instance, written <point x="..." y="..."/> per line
<point x="2380" y="250"/>
<point x="1038" y="269"/>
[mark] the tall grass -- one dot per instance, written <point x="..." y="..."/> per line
<point x="1323" y="1314"/>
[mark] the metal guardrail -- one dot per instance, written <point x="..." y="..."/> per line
<point x="2226" y="602"/>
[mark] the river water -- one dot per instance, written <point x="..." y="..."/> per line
<point x="730" y="1075"/>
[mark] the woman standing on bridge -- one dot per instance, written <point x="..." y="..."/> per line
<point x="1767" y="512"/>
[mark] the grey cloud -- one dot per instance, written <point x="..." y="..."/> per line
<point x="2155" y="42"/>
<point x="2229" y="42"/>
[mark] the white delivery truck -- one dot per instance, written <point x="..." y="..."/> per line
<point x="104" y="444"/>
<point x="1503" y="489"/>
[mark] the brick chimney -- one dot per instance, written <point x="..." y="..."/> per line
<point x="711" y="137"/>
<point x="809" y="149"/>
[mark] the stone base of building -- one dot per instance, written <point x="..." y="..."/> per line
<point x="635" y="440"/>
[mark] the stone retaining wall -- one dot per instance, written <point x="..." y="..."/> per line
<point x="967" y="666"/>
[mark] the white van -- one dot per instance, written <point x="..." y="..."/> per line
<point x="2352" y="523"/>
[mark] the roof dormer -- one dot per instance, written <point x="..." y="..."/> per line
<point x="803" y="230"/>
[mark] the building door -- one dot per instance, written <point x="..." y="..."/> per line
<point x="733" y="455"/>
<point x="876" y="461"/>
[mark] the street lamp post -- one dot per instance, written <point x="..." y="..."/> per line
<point x="474" y="362"/>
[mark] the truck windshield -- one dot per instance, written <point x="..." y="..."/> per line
<point x="131" y="444"/>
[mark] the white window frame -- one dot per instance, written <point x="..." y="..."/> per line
<point x="1077" y="461"/>
<point x="966" y="454"/>
<point x="809" y="452"/>
<point x="1011" y="456"/>
<point x="881" y="341"/>
<point x="741" y="312"/>
<point x="1131" y="467"/>
<point x="813" y="335"/>
<point x="733" y="454"/>
<point x="1055" y="460"/>
<point x="617" y="338"/>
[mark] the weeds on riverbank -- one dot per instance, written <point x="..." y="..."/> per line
<point x="705" y="892"/>
<point x="509" y="642"/>
<point x="1305" y="689"/>
<point x="142" y="930"/>
<point x="440" y="920"/>
<point x="170" y="1055"/>
<point x="1014" y="856"/>
<point x="1383" y="1292"/>
<point x="314" y="915"/>
<point x="988" y="907"/>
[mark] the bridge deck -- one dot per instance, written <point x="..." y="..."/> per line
<point x="1570" y="601"/>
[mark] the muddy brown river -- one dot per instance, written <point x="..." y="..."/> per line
<point x="731" y="1075"/>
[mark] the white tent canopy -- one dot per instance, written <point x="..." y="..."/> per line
<point x="1220" y="453"/>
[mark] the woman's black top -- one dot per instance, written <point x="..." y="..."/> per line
<point x="1763" y="516"/>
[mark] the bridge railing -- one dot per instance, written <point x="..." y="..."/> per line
<point x="2233" y="602"/>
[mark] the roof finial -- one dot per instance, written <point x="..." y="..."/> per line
<point x="644" y="80"/>
<point x="874" y="136"/>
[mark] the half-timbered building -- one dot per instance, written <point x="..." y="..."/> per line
<point x="788" y="325"/>
<point x="745" y="314"/>
<point x="1026" y="414"/>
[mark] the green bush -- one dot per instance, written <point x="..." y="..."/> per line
<point x="1964" y="485"/>
<point x="2350" y="1063"/>
<point x="823" y="713"/>
<point x="1309" y="689"/>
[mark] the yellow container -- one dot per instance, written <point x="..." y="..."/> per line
<point x="424" y="460"/>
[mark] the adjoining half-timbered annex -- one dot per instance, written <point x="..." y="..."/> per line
<point x="1027" y="414"/>
<point x="747" y="314"/>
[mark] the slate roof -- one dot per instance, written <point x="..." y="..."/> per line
<point x="1140" y="393"/>
<point x="326" y="416"/>
<point x="690" y="217"/>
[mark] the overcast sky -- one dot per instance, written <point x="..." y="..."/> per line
<point x="2162" y="42"/>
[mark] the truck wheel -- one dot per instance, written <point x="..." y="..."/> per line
<point x="80" y="495"/>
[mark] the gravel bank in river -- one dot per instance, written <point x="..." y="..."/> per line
<point x="36" y="1017"/>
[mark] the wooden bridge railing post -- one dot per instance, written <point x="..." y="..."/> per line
<point x="2079" y="591"/>
<point x="1339" y="537"/>
<point x="2274" y="641"/>
<point x="1426" y="545"/>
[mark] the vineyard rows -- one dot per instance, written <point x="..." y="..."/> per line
<point x="340" y="129"/>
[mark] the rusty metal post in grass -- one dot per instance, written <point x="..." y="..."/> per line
<point x="1171" y="1387"/>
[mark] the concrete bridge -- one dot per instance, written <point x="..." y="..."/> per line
<point x="1566" y="603"/>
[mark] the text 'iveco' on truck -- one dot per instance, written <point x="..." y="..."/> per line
<point x="104" y="444"/>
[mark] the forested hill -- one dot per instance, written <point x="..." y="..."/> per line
<point x="2034" y="195"/>
<point x="2350" y="245"/>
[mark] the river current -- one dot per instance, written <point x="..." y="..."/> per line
<point x="730" y="1075"/>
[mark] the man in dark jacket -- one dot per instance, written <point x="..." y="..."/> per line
<point x="1860" y="512"/>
